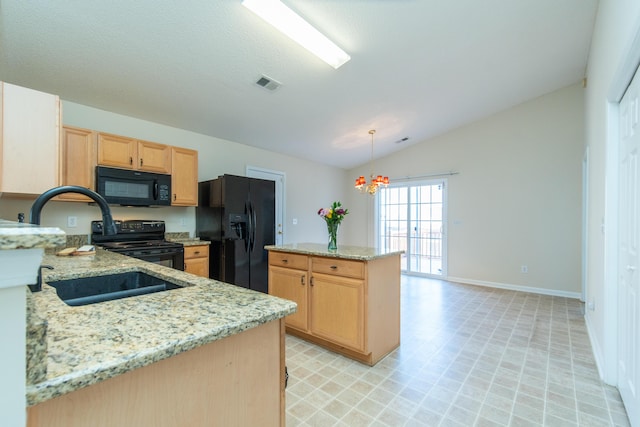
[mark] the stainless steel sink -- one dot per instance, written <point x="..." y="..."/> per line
<point x="90" y="290"/>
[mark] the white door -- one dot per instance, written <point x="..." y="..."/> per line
<point x="628" y="274"/>
<point x="279" y="178"/>
<point x="412" y="217"/>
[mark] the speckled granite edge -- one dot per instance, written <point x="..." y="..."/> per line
<point x="170" y="235"/>
<point x="89" y="344"/>
<point x="186" y="241"/>
<point x="18" y="235"/>
<point x="36" y="345"/>
<point x="360" y="253"/>
<point x="54" y="387"/>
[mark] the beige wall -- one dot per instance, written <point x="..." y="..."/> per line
<point x="517" y="198"/>
<point x="515" y="201"/>
<point x="618" y="22"/>
<point x="309" y="185"/>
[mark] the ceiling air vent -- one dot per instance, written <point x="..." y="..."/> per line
<point x="268" y="83"/>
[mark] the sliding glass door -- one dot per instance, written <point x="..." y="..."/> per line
<point x="412" y="218"/>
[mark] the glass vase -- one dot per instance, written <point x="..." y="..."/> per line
<point x="332" y="228"/>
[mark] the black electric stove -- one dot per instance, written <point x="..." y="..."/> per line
<point x="142" y="239"/>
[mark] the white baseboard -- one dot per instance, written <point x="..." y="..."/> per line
<point x="543" y="291"/>
<point x="598" y="355"/>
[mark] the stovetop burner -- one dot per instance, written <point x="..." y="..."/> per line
<point x="142" y="239"/>
<point x="132" y="234"/>
<point x="138" y="244"/>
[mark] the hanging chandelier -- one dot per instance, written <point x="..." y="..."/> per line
<point x="376" y="181"/>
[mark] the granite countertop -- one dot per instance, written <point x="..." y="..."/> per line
<point x="183" y="237"/>
<point x="88" y="344"/>
<point x="361" y="253"/>
<point x="20" y="235"/>
<point x="190" y="241"/>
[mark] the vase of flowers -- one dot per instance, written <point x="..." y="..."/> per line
<point x="333" y="217"/>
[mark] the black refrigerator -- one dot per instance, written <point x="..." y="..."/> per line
<point x="237" y="214"/>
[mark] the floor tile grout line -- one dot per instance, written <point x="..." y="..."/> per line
<point x="455" y="338"/>
<point x="477" y="415"/>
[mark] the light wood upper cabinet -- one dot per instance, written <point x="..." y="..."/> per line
<point x="184" y="177"/>
<point x="196" y="260"/>
<point x="29" y="140"/>
<point x="77" y="161"/>
<point x="129" y="153"/>
<point x="116" y="151"/>
<point x="153" y="157"/>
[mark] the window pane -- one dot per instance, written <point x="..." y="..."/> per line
<point x="411" y="220"/>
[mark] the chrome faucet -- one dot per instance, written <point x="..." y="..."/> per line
<point x="109" y="227"/>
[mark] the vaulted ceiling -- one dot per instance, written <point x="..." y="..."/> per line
<point x="418" y="68"/>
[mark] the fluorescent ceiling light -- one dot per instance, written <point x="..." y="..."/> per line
<point x="289" y="23"/>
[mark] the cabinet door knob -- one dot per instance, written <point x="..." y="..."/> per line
<point x="140" y="162"/>
<point x="174" y="197"/>
<point x="130" y="160"/>
<point x="311" y="281"/>
<point x="302" y="280"/>
<point x="285" y="261"/>
<point x="196" y="253"/>
<point x="334" y="267"/>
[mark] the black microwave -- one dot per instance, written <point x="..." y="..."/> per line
<point x="133" y="188"/>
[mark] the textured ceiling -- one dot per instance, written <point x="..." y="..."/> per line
<point x="418" y="67"/>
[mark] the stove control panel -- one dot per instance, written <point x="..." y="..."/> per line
<point x="131" y="226"/>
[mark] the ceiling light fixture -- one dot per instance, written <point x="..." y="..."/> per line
<point x="376" y="181"/>
<point x="292" y="25"/>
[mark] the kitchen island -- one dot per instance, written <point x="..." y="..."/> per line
<point x="208" y="353"/>
<point x="21" y="250"/>
<point x="348" y="300"/>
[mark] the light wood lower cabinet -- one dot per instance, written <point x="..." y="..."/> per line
<point x="337" y="310"/>
<point x="236" y="381"/>
<point x="291" y="284"/>
<point x="196" y="260"/>
<point x="349" y="306"/>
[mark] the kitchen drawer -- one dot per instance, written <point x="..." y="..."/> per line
<point x="289" y="260"/>
<point x="338" y="267"/>
<point x="196" y="251"/>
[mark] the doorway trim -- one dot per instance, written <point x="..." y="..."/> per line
<point x="621" y="79"/>
<point x="585" y="223"/>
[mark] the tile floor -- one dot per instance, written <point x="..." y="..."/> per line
<point x="469" y="356"/>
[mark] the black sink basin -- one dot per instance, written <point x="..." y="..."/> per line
<point x="90" y="290"/>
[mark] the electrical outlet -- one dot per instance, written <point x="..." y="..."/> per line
<point x="524" y="269"/>
<point x="72" y="221"/>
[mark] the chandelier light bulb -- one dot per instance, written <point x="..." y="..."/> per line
<point x="375" y="181"/>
